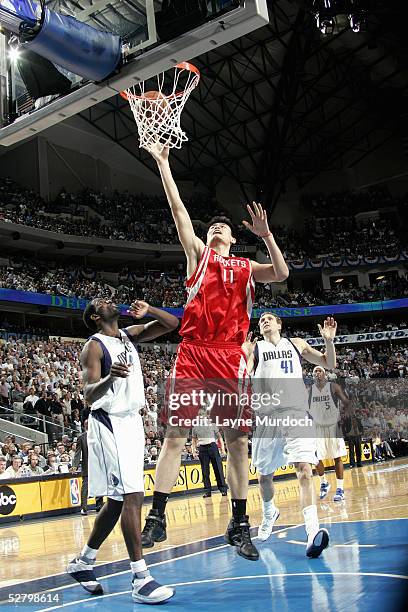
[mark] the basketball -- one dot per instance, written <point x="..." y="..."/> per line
<point x="155" y="105"/>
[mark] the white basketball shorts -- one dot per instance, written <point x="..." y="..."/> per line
<point x="116" y="454"/>
<point x="271" y="451"/>
<point x="329" y="446"/>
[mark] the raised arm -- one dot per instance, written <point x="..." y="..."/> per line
<point x="164" y="323"/>
<point x="277" y="271"/>
<point x="96" y="387"/>
<point x="326" y="360"/>
<point x="192" y="245"/>
<point x="341" y="395"/>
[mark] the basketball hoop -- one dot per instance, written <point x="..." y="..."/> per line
<point x="157" y="111"/>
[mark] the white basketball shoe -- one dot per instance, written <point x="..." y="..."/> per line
<point x="266" y="527"/>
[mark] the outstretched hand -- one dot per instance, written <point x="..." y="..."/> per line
<point x="158" y="152"/>
<point x="259" y="219"/>
<point x="329" y="329"/>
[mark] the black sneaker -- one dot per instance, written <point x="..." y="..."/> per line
<point x="154" y="529"/>
<point x="238" y="534"/>
<point x="207" y="494"/>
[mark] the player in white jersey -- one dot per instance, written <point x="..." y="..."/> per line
<point x="276" y="368"/>
<point x="113" y="386"/>
<point x="324" y="397"/>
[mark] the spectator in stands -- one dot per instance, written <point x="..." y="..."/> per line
<point x="8" y="451"/>
<point x="153" y="454"/>
<point x="72" y="450"/>
<point x="64" y="465"/>
<point x="59" y="451"/>
<point x="42" y="462"/>
<point x="187" y="453"/>
<point x="24" y="453"/>
<point x="17" y="397"/>
<point x="65" y="440"/>
<point x="3" y="466"/>
<point x="31" y="398"/>
<point x="76" y="421"/>
<point x="66" y="408"/>
<point x="56" y="410"/>
<point x="42" y="406"/>
<point x="14" y="470"/>
<point x="10" y="439"/>
<point x="4" y="391"/>
<point x="384" y="448"/>
<point x="152" y="415"/>
<point x="77" y="403"/>
<point x="32" y="468"/>
<point x="52" y="465"/>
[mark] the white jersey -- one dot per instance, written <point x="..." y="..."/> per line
<point x="323" y="406"/>
<point x="278" y="369"/>
<point x="126" y="395"/>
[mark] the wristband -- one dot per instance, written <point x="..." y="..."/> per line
<point x="265" y="235"/>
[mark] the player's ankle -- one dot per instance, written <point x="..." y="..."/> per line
<point x="88" y="554"/>
<point x="139" y="569"/>
<point x="160" y="502"/>
<point x="238" y="508"/>
<point x="268" y="508"/>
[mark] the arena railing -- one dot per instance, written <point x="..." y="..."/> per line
<point x="47" y="425"/>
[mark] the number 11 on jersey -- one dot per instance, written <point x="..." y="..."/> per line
<point x="228" y="276"/>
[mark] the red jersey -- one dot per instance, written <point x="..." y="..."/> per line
<point x="220" y="295"/>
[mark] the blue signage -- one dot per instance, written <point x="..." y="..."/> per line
<point x="73" y="303"/>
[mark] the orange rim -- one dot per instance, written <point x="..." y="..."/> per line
<point x="182" y="66"/>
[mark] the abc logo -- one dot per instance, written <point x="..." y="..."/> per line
<point x="366" y="451"/>
<point x="8" y="500"/>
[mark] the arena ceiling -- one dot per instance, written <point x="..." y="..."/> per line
<point x="284" y="102"/>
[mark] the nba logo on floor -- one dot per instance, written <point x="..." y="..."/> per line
<point x="74" y="491"/>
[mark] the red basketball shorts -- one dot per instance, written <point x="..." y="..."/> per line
<point x="208" y="379"/>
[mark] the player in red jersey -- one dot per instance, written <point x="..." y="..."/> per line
<point x="220" y="290"/>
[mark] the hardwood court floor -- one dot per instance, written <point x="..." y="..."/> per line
<point x="42" y="548"/>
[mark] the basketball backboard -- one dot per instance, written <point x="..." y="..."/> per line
<point x="151" y="46"/>
<point x="133" y="20"/>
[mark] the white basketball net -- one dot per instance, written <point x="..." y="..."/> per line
<point x="158" y="120"/>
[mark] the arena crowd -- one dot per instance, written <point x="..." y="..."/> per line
<point x="144" y="218"/>
<point x="40" y="382"/>
<point x="167" y="289"/>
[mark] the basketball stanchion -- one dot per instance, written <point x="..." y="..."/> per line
<point x="158" y="112"/>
